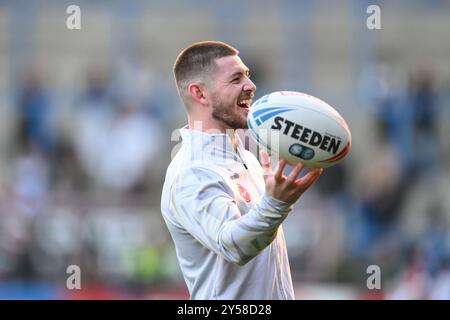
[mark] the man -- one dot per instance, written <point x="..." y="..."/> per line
<point x="223" y="213"/>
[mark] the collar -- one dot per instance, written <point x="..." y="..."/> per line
<point x="206" y="146"/>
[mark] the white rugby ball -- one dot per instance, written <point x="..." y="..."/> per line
<point x="300" y="128"/>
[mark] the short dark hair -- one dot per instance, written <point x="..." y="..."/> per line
<point x="197" y="60"/>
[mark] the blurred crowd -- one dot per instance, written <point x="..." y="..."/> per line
<point x="404" y="208"/>
<point x="83" y="184"/>
<point x="87" y="193"/>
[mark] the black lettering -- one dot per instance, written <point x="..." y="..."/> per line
<point x="277" y="125"/>
<point x="289" y="124"/>
<point x="316" y="139"/>
<point x="305" y="135"/>
<point x="334" y="146"/>
<point x="324" y="144"/>
<point x="296" y="132"/>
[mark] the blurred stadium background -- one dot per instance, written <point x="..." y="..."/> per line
<point x="86" y="118"/>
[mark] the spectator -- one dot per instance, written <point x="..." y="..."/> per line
<point x="34" y="112"/>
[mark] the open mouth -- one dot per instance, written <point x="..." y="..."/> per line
<point x="245" y="103"/>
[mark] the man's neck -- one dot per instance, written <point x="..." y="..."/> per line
<point x="233" y="137"/>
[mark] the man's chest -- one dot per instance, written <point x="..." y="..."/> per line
<point x="246" y="185"/>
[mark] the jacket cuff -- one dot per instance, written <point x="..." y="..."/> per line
<point x="268" y="202"/>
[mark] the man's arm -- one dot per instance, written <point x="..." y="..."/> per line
<point x="204" y="206"/>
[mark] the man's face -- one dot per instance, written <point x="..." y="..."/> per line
<point x="232" y="92"/>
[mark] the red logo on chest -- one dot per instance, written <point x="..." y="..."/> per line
<point x="244" y="193"/>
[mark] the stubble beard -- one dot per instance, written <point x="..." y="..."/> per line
<point x="228" y="115"/>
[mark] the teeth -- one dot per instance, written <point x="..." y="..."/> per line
<point x="247" y="102"/>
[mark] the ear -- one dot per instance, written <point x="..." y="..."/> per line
<point x="198" y="93"/>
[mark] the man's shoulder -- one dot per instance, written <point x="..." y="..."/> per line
<point x="190" y="178"/>
<point x="196" y="170"/>
<point x="182" y="167"/>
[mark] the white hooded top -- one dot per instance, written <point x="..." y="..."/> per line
<point x="227" y="232"/>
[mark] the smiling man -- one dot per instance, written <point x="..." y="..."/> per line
<point x="223" y="211"/>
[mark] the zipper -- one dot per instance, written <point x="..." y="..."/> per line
<point x="242" y="160"/>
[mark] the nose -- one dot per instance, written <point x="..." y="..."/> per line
<point x="249" y="85"/>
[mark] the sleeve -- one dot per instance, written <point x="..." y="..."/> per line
<point x="205" y="207"/>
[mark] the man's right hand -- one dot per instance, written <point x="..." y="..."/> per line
<point x="287" y="188"/>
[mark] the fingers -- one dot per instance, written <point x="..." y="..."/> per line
<point x="295" y="172"/>
<point x="279" y="170"/>
<point x="306" y="181"/>
<point x="265" y="162"/>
